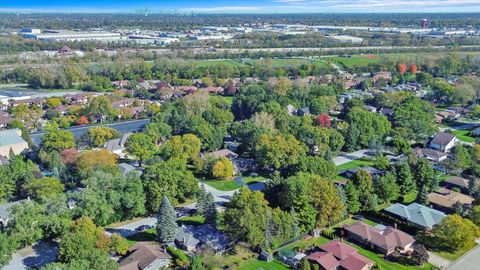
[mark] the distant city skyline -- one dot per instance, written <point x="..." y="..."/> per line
<point x="247" y="6"/>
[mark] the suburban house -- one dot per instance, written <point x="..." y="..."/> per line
<point x="5" y="213"/>
<point x="193" y="238"/>
<point x="223" y="153"/>
<point x="371" y="170"/>
<point x="416" y="214"/>
<point x="458" y="182"/>
<point x="445" y="199"/>
<point x="338" y="255"/>
<point x="11" y="139"/>
<point x="117" y="146"/>
<point x="145" y="256"/>
<point x="430" y="154"/>
<point x="126" y="168"/>
<point x="443" y="142"/>
<point x="380" y="238"/>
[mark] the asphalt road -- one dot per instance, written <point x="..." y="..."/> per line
<point x="469" y="261"/>
<point x="123" y="127"/>
<point x="33" y="257"/>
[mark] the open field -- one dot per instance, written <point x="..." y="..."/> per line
<point x="463" y="135"/>
<point x="223" y="185"/>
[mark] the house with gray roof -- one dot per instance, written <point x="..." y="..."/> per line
<point x="194" y="238"/>
<point x="126" y="168"/>
<point x="443" y="142"/>
<point x="416" y="214"/>
<point x="12" y="139"/>
<point x="145" y="256"/>
<point x="117" y="146"/>
<point x="5" y="213"/>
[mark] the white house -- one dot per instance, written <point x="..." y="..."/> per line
<point x="443" y="142"/>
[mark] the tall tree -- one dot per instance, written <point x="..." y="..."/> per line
<point x="353" y="202"/>
<point x="166" y="225"/>
<point x="386" y="188"/>
<point x="404" y="178"/>
<point x="206" y="206"/>
<point x="425" y="175"/>
<point x="141" y="146"/>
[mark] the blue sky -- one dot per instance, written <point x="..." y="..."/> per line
<point x="246" y="6"/>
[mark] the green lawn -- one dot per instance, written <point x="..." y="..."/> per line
<point x="357" y="60"/>
<point x="289" y="62"/>
<point x="410" y="198"/>
<point x="252" y="179"/>
<point x="354" y="164"/>
<point x="193" y="220"/>
<point x="261" y="265"/>
<point x="452" y="256"/>
<point x="207" y="63"/>
<point x="462" y="135"/>
<point x="224" y="185"/>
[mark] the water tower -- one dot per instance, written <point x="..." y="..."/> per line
<point x="424" y="23"/>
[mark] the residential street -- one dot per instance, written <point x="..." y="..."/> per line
<point x="469" y="261"/>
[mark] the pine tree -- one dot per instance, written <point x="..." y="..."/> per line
<point x="405" y="179"/>
<point x="473" y="186"/>
<point x="295" y="223"/>
<point x="353" y="202"/>
<point x="422" y="196"/>
<point x="206" y="206"/>
<point x="197" y="264"/>
<point x="458" y="208"/>
<point x="166" y="225"/>
<point x="304" y="264"/>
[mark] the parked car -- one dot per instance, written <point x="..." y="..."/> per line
<point x="358" y="217"/>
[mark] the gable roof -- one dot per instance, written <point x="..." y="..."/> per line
<point x="418" y="214"/>
<point x="458" y="181"/>
<point x="11" y="136"/>
<point x="443" y="138"/>
<point x="206" y="234"/>
<point x="141" y="255"/>
<point x="324" y="259"/>
<point x="388" y="238"/>
<point x="223" y="153"/>
<point x="355" y="262"/>
<point x="338" y="249"/>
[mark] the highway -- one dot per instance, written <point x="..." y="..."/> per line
<point x="123" y="127"/>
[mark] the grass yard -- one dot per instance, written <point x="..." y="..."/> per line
<point x="147" y="235"/>
<point x="224" y="185"/>
<point x="280" y="62"/>
<point x="354" y="164"/>
<point x="261" y="265"/>
<point x="452" y="256"/>
<point x="252" y="179"/>
<point x="193" y="220"/>
<point x="462" y="135"/>
<point x="207" y="63"/>
<point x="410" y="198"/>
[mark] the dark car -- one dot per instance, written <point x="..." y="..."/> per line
<point x="142" y="228"/>
<point x="358" y="217"/>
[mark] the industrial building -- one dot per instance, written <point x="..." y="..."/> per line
<point x="67" y="36"/>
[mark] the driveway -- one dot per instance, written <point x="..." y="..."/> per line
<point x="35" y="257"/>
<point x="438" y="261"/>
<point x="347" y="157"/>
<point x="468" y="261"/>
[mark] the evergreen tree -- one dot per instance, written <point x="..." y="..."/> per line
<point x="472" y="186"/>
<point x="197" y="264"/>
<point x="206" y="206"/>
<point x="353" y="203"/>
<point x="405" y="179"/>
<point x="458" y="208"/>
<point x="295" y="223"/>
<point x="166" y="225"/>
<point x="304" y="264"/>
<point x="425" y="175"/>
<point x="422" y="196"/>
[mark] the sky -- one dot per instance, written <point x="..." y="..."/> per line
<point x="245" y="6"/>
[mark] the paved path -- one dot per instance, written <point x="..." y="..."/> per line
<point x="347" y="157"/>
<point x="34" y="257"/>
<point x="469" y="261"/>
<point x="438" y="261"/>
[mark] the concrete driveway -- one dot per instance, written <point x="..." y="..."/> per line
<point x="438" y="261"/>
<point x="35" y="257"/>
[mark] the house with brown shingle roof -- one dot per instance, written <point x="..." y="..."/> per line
<point x="444" y="199"/>
<point x="459" y="182"/>
<point x="143" y="256"/>
<point x="346" y="257"/>
<point x="384" y="241"/>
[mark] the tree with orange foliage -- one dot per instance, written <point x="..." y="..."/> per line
<point x="101" y="160"/>
<point x="69" y="156"/>
<point x="83" y="121"/>
<point x="401" y="68"/>
<point x="413" y="68"/>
